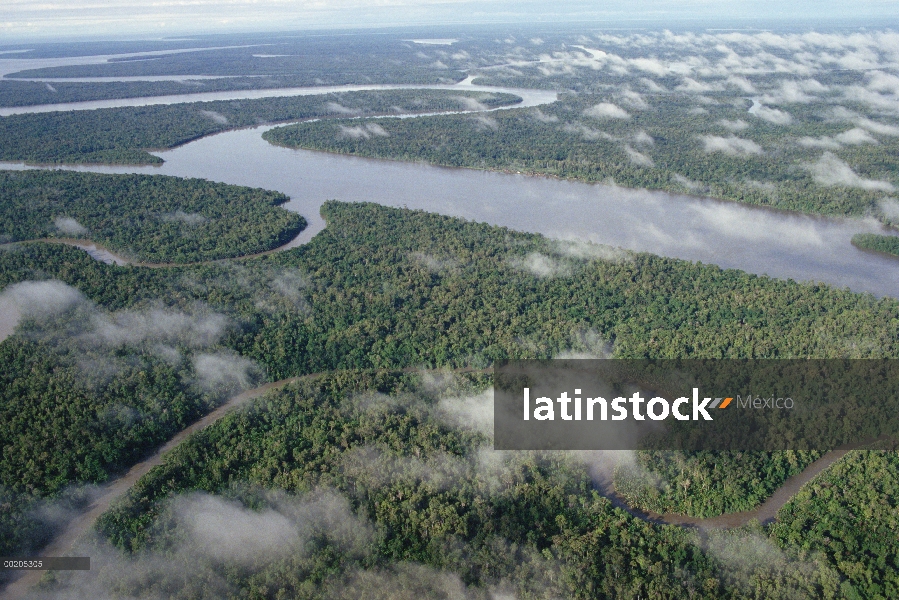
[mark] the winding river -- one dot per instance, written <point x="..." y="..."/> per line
<point x="754" y="239"/>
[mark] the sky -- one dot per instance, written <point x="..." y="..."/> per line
<point x="43" y="19"/>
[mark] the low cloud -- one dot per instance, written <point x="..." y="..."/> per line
<point x="539" y="265"/>
<point x="772" y="115"/>
<point x="638" y="158"/>
<point x="731" y="145"/>
<point x="889" y="207"/>
<point x="469" y="103"/>
<point x="543" y="118"/>
<point x="485" y="123"/>
<point x="855" y="136"/>
<point x="735" y="125"/>
<point x="470" y="412"/>
<point x="224" y="372"/>
<point x="192" y="219"/>
<point x="876" y="127"/>
<point x="363" y="132"/>
<point x="831" y="171"/>
<point x="634" y="100"/>
<point x="334" y="107"/>
<point x="588" y="133"/>
<point x="196" y="330"/>
<point x="434" y="264"/>
<point x="215" y="116"/>
<point x="41" y="299"/>
<point x="606" y="110"/>
<point x="69" y="226"/>
<point x="216" y="534"/>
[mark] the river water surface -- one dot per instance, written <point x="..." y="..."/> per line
<point x="754" y="239"/>
<point x="732" y="235"/>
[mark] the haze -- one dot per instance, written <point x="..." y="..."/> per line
<point x="24" y="19"/>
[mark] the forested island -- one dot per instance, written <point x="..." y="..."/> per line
<point x="148" y="218"/>
<point x="886" y="244"/>
<point x="123" y="135"/>
<point x="666" y="146"/>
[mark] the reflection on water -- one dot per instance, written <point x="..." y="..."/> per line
<point x="529" y="97"/>
<point x="754" y="239"/>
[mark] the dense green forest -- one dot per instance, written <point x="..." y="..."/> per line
<point x="388" y="288"/>
<point x="887" y="244"/>
<point x="308" y="59"/>
<point x="29" y="93"/>
<point x="145" y="217"/>
<point x="123" y="135"/>
<point x="667" y="146"/>
<point x="376" y="491"/>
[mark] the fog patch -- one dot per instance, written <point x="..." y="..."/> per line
<point x="192" y="219"/>
<point x="735" y="125"/>
<point x="652" y="86"/>
<point x="215" y="116"/>
<point x="855" y="136"/>
<point x="433" y="263"/>
<point x="158" y="325"/>
<point x="224" y="372"/>
<point x="687" y="183"/>
<point x="634" y="100"/>
<point x="606" y="110"/>
<point x="638" y="158"/>
<point x="588" y="133"/>
<point x="69" y="226"/>
<point x="643" y="139"/>
<point x="40" y="300"/>
<point x="824" y="142"/>
<point x="876" y="127"/>
<point x="539" y="265"/>
<point x="889" y="207"/>
<point x="404" y="581"/>
<point x="470" y="412"/>
<point x="485" y="123"/>
<point x="216" y="535"/>
<point x="579" y="249"/>
<point x="469" y="103"/>
<point x="731" y="145"/>
<point x="831" y="171"/>
<point x="539" y="115"/>
<point x="335" y="107"/>
<point x="772" y="115"/>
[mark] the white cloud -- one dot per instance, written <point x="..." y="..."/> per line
<point x="889" y="207"/>
<point x="830" y="171"/>
<point x="215" y="117"/>
<point x="876" y="127"/>
<point x="224" y="372"/>
<point x="824" y="142"/>
<point x="69" y="226"/>
<point x="736" y="125"/>
<point x="41" y="299"/>
<point x="638" y="158"/>
<point x="772" y="115"/>
<point x="730" y="145"/>
<point x="855" y="136"/>
<point x="539" y="265"/>
<point x="607" y="110"/>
